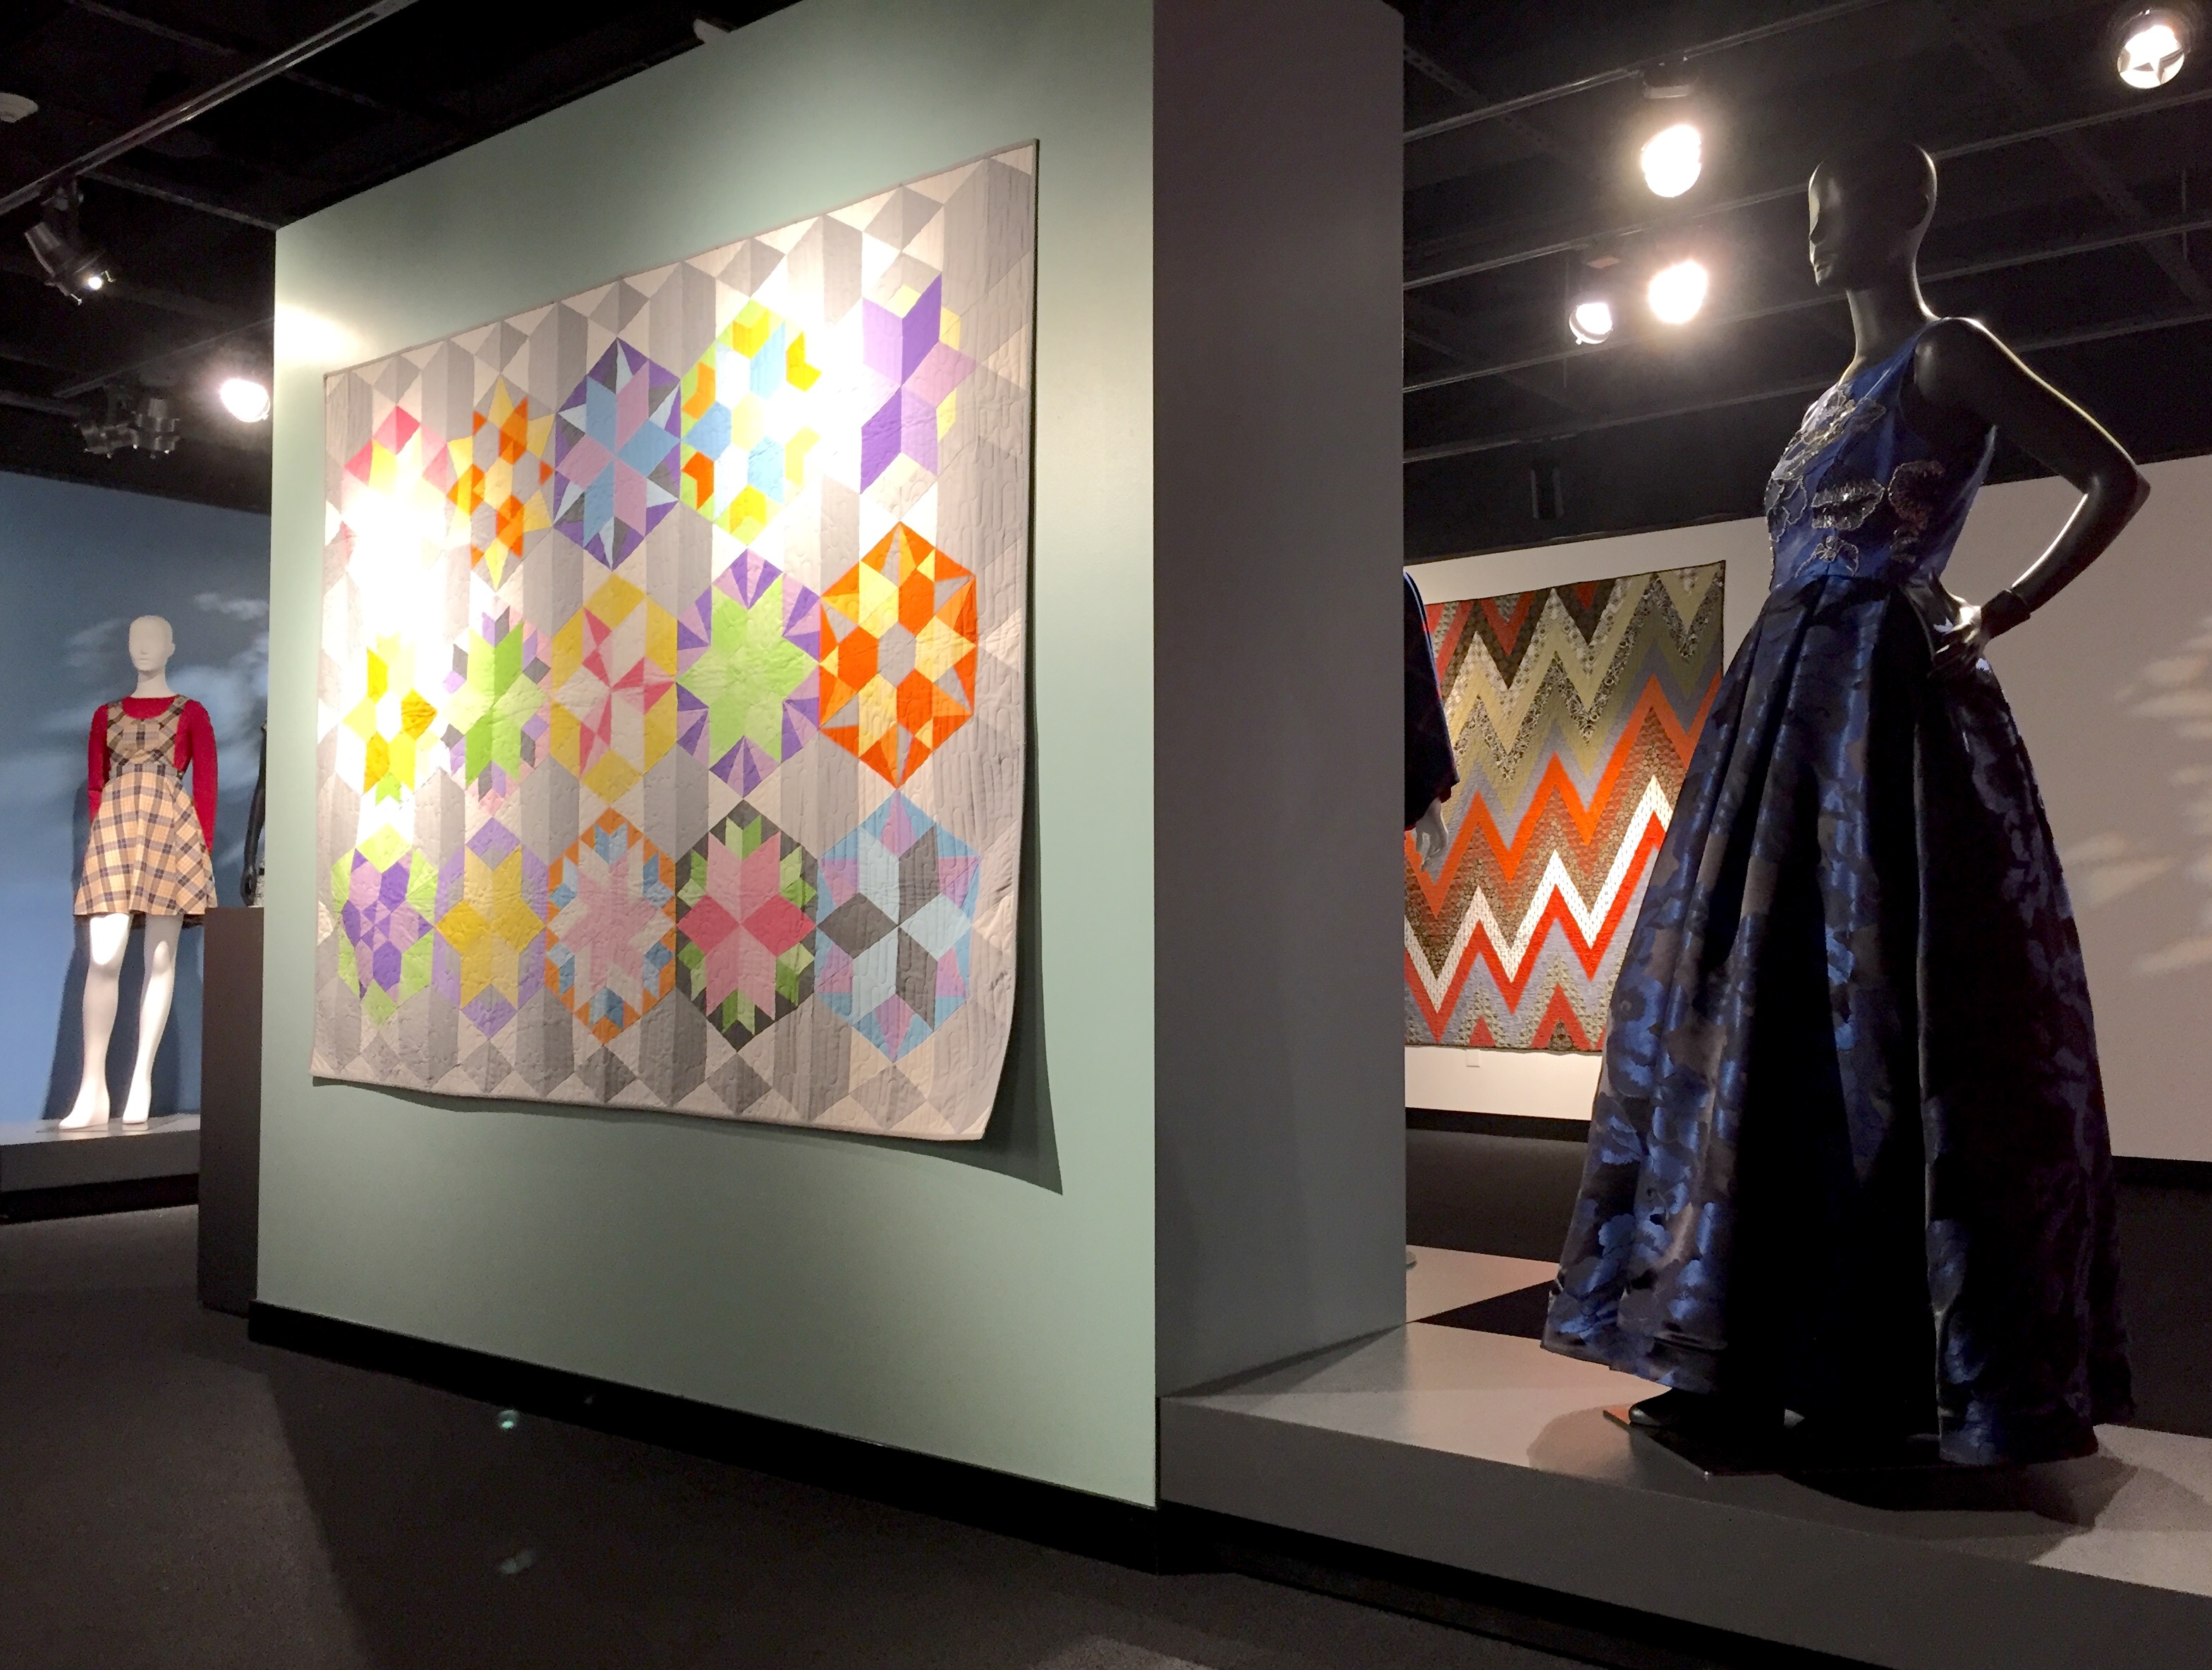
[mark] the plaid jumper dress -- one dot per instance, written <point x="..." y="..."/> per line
<point x="147" y="855"/>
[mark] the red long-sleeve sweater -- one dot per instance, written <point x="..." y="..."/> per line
<point x="195" y="754"/>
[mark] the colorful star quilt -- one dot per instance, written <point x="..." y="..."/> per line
<point x="671" y="702"/>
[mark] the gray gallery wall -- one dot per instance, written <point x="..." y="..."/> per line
<point x="994" y="1304"/>
<point x="1276" y="354"/>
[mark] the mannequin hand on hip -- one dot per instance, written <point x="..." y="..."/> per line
<point x="1429" y="838"/>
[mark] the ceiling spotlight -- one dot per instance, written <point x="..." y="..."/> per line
<point x="73" y="266"/>
<point x="1673" y="158"/>
<point x="245" y="398"/>
<point x="1589" y="321"/>
<point x="1670" y="78"/>
<point x="133" y="423"/>
<point x="2154" y="45"/>
<point x="14" y="106"/>
<point x="1677" y="292"/>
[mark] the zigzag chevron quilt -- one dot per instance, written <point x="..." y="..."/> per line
<point x="1573" y="711"/>
<point x="672" y="685"/>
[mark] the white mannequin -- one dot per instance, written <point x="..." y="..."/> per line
<point x="152" y="644"/>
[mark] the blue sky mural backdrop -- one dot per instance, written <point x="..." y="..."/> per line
<point x="76" y="564"/>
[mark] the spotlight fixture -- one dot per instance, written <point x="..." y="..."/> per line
<point x="2154" y="45"/>
<point x="1677" y="292"/>
<point x="134" y="421"/>
<point x="1589" y="321"/>
<point x="1671" y="78"/>
<point x="73" y="266"/>
<point x="245" y="398"/>
<point x="1673" y="158"/>
<point x="15" y="106"/>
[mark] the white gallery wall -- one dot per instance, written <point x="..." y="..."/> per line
<point x="2113" y="686"/>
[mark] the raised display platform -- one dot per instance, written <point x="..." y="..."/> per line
<point x="1480" y="1451"/>
<point x="36" y="1155"/>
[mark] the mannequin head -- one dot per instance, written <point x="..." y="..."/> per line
<point x="152" y="644"/>
<point x="1869" y="208"/>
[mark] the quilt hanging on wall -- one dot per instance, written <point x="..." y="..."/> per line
<point x="1572" y="711"/>
<point x="671" y="695"/>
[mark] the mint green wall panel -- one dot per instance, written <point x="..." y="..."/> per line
<point x="993" y="1304"/>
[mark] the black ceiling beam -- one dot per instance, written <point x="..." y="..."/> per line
<point x="1441" y="74"/>
<point x="146" y="295"/>
<point x="1499" y="109"/>
<point x="39" y="403"/>
<point x="1776" y="194"/>
<point x="91" y="380"/>
<point x="1547" y="433"/>
<point x="432" y="113"/>
<point x="200" y="103"/>
<point x="2149" y="232"/>
<point x="16" y="354"/>
<point x="1461" y="339"/>
<point x="1998" y="62"/>
<point x="139" y="186"/>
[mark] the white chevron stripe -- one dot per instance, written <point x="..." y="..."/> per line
<point x="1651" y="806"/>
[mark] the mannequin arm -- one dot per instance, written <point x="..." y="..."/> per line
<point x="95" y="762"/>
<point x="196" y="746"/>
<point x="1961" y="369"/>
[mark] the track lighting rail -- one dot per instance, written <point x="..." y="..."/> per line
<point x="200" y="103"/>
<point x="1549" y="433"/>
<point x="1492" y="111"/>
<point x="2146" y="233"/>
<point x="1794" y="189"/>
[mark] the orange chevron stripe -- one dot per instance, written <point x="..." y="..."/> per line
<point x="1556" y="786"/>
<point x="1506" y="870"/>
<point x="1482" y="951"/>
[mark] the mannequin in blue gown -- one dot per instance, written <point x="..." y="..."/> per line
<point x="1848" y="1156"/>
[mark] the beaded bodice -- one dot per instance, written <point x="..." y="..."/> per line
<point x="1859" y="492"/>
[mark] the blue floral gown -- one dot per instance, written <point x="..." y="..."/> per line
<point x="1849" y="1148"/>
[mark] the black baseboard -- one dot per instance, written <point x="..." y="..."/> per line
<point x="1052" y="1514"/>
<point x="2163" y="1174"/>
<point x="2126" y="1167"/>
<point x="1169" y="1539"/>
<point x="1497" y="1125"/>
<point x="1586" y="1631"/>
<point x="26" y="1205"/>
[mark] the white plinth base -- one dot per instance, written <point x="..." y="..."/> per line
<point x="1487" y="1454"/>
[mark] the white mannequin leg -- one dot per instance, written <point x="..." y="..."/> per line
<point x="109" y="936"/>
<point x="162" y="933"/>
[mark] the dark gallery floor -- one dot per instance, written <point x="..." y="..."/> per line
<point x="175" y="1495"/>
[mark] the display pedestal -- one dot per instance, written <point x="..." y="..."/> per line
<point x="230" y="1111"/>
<point x="45" y="1171"/>
<point x="1485" y="1453"/>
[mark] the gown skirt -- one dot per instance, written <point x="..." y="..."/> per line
<point x="1849" y="1147"/>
